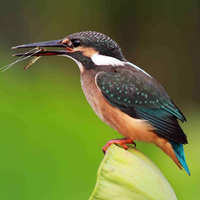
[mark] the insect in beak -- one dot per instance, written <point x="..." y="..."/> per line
<point x="38" y="51"/>
<point x="35" y="58"/>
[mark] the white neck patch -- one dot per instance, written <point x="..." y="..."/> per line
<point x="98" y="59"/>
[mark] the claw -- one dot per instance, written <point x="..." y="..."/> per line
<point x="122" y="142"/>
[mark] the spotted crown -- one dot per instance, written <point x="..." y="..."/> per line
<point x="102" y="43"/>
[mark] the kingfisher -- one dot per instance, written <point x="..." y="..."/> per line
<point x="122" y="95"/>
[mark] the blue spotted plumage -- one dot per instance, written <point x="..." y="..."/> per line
<point x="142" y="97"/>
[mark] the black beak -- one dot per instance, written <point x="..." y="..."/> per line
<point x="54" y="43"/>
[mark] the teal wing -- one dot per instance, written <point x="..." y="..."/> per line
<point x="140" y="96"/>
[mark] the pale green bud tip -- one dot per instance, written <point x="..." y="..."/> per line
<point x="129" y="174"/>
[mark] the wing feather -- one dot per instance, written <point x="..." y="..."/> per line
<point x="140" y="96"/>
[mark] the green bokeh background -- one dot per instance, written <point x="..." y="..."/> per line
<point x="51" y="140"/>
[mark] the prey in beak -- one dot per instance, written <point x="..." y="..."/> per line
<point x="38" y="51"/>
<point x="35" y="58"/>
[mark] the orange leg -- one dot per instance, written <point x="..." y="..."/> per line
<point x="122" y="142"/>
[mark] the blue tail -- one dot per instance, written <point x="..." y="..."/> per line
<point x="179" y="151"/>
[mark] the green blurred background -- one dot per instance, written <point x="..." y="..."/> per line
<point x="51" y="140"/>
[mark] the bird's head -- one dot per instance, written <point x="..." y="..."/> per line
<point x="88" y="49"/>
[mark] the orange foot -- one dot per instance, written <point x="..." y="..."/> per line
<point x="121" y="141"/>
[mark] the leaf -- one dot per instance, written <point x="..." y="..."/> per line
<point x="130" y="175"/>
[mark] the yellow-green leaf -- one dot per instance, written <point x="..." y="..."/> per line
<point x="130" y="175"/>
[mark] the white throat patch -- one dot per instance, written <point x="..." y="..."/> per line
<point x="98" y="59"/>
<point x="77" y="62"/>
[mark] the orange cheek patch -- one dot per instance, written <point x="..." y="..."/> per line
<point x="89" y="52"/>
<point x="86" y="51"/>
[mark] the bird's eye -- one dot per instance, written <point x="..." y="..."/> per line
<point x="76" y="43"/>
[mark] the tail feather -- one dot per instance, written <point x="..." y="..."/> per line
<point x="179" y="151"/>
